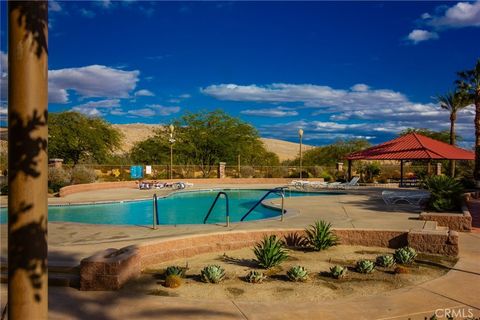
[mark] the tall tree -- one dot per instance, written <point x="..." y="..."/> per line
<point x="452" y="102"/>
<point x="469" y="84"/>
<point x="75" y="137"/>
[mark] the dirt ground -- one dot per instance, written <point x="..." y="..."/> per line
<point x="319" y="287"/>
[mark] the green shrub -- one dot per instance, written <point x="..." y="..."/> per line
<point x="175" y="270"/>
<point x="338" y="272"/>
<point x="255" y="276"/>
<point x="365" y="266"/>
<point x="82" y="174"/>
<point x="319" y="236"/>
<point x="297" y="273"/>
<point x="270" y="252"/>
<point x="369" y="171"/>
<point x="444" y="193"/>
<point x="405" y="255"/>
<point x="247" y="171"/>
<point x="385" y="260"/>
<point x="213" y="274"/>
<point x="58" y="178"/>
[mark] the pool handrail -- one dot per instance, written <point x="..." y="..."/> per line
<point x="155" y="212"/>
<point x="280" y="191"/>
<point x="227" y="213"/>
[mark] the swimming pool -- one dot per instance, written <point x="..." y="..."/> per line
<point x="188" y="207"/>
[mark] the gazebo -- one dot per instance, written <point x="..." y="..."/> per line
<point x="412" y="146"/>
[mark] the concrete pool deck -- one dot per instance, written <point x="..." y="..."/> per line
<point x="363" y="209"/>
<point x="360" y="208"/>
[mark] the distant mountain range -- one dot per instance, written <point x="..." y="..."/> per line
<point x="135" y="132"/>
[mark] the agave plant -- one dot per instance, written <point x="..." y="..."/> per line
<point x="319" y="236"/>
<point x="173" y="281"/>
<point x="338" y="272"/>
<point x="213" y="274"/>
<point x="405" y="255"/>
<point x="365" y="266"/>
<point x="270" y="252"/>
<point x="255" y="276"/>
<point x="297" y="273"/>
<point x="385" y="260"/>
<point x="175" y="271"/>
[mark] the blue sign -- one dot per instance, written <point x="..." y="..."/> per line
<point x="136" y="172"/>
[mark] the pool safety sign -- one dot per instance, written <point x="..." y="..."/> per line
<point x="136" y="172"/>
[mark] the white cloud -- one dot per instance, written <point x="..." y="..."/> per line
<point x="54" y="6"/>
<point x="91" y="81"/>
<point x="360" y="87"/>
<point x="419" y="35"/>
<point x="3" y="76"/>
<point x="144" y="93"/>
<point x="143" y="112"/>
<point x="87" y="13"/>
<point x="462" y="14"/>
<point x="426" y="16"/>
<point x="93" y="112"/>
<point x="164" y="110"/>
<point x="270" y="112"/>
<point x="373" y="112"/>
<point x="109" y="103"/>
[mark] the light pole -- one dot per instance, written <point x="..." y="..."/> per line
<point x="172" y="141"/>
<point x="300" y="134"/>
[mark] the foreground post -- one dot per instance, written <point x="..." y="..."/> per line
<point x="27" y="160"/>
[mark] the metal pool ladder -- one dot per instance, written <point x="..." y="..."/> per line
<point x="227" y="213"/>
<point x="280" y="191"/>
<point x="155" y="221"/>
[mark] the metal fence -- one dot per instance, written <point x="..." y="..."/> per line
<point x="386" y="173"/>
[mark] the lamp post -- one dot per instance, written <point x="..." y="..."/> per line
<point x="300" y="134"/>
<point x="172" y="141"/>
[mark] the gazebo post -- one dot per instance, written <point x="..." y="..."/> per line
<point x="349" y="169"/>
<point x="401" y="173"/>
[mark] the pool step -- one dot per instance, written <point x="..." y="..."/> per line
<point x="58" y="276"/>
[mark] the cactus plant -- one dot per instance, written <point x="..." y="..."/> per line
<point x="255" y="277"/>
<point x="385" y="260"/>
<point x="173" y="281"/>
<point x="270" y="252"/>
<point x="405" y="255"/>
<point x="319" y="236"/>
<point x="175" y="271"/>
<point x="338" y="272"/>
<point x="365" y="266"/>
<point x="213" y="274"/>
<point x="298" y="273"/>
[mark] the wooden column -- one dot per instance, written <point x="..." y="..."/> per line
<point x="27" y="160"/>
<point x="349" y="170"/>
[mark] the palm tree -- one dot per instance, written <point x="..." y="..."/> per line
<point x="452" y="102"/>
<point x="469" y="84"/>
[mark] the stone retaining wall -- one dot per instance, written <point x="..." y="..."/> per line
<point x="454" y="221"/>
<point x="134" y="184"/>
<point x="110" y="269"/>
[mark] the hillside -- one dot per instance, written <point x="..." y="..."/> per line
<point x="135" y="132"/>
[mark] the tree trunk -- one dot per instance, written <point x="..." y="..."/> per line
<point x="476" y="173"/>
<point x="27" y="160"/>
<point x="453" y="118"/>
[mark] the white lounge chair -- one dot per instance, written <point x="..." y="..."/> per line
<point x="414" y="198"/>
<point x="299" y="184"/>
<point x="344" y="185"/>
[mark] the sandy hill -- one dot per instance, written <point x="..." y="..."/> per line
<point x="135" y="132"/>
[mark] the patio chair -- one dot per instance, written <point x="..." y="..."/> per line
<point x="299" y="184"/>
<point x="414" y="198"/>
<point x="344" y="185"/>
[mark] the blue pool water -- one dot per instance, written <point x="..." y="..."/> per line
<point x="179" y="208"/>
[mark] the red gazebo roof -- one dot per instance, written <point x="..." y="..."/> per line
<point x="413" y="146"/>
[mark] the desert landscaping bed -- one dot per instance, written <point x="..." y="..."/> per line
<point x="319" y="286"/>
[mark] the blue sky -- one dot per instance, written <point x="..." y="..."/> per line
<point x="335" y="69"/>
